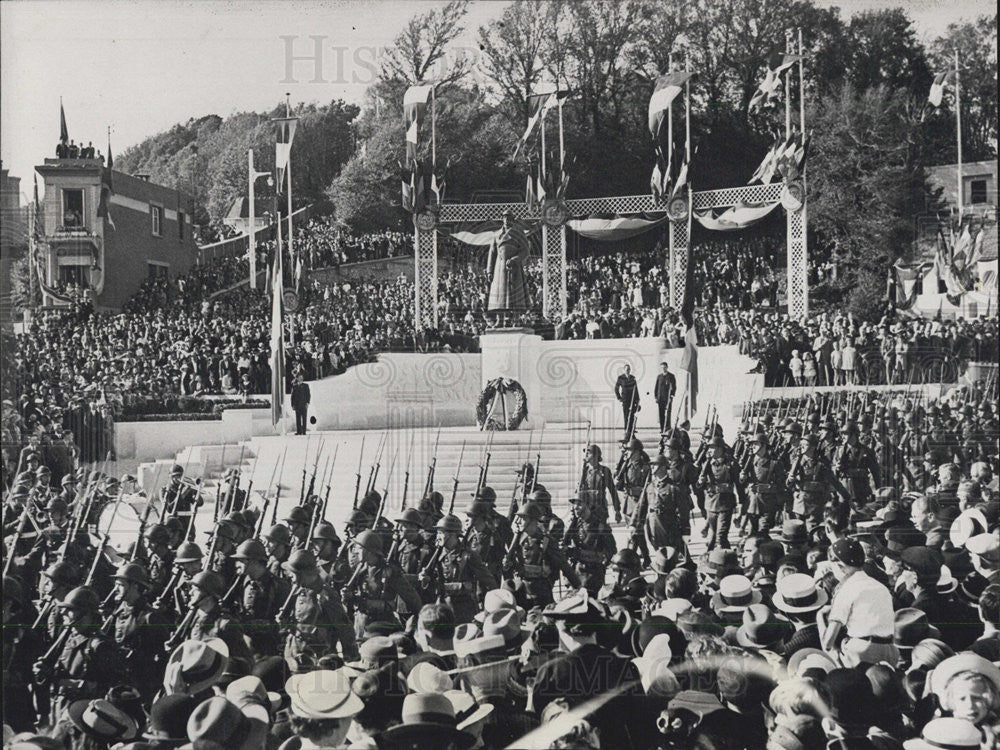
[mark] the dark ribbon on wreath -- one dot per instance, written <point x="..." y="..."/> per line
<point x="493" y="399"/>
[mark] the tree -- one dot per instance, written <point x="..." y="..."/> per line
<point x="423" y="44"/>
<point x="865" y="187"/>
<point x="976" y="43"/>
<point x="884" y="51"/>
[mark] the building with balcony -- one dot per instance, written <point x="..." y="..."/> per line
<point x="979" y="186"/>
<point x="146" y="231"/>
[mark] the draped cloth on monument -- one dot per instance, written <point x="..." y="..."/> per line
<point x="508" y="290"/>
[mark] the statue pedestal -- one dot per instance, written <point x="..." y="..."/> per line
<point x="513" y="353"/>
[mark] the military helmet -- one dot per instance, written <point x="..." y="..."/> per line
<point x="413" y="516"/>
<point x="225" y="529"/>
<point x="486" y="494"/>
<point x="68" y="479"/>
<point x="250" y="549"/>
<point x="298" y="514"/>
<point x="675" y="442"/>
<point x="177" y="470"/>
<point x="436" y="498"/>
<point x="658" y="459"/>
<point x="635" y="444"/>
<point x="42" y="471"/>
<point x="626" y="558"/>
<point x="325" y="530"/>
<point x="531" y="510"/>
<point x="279" y="534"/>
<point x="449" y="524"/>
<point x="359" y="518"/>
<point x="188" y="552"/>
<point x="480" y="509"/>
<point x="209" y="582"/>
<point x="595" y="449"/>
<point x="300" y="561"/>
<point x="369" y="541"/>
<point x="157" y="534"/>
<point x="760" y="438"/>
<point x="133" y="572"/>
<point x="174" y="525"/>
<point x="541" y="496"/>
<point x="57" y="505"/>
<point x="82" y="598"/>
<point x="64" y="573"/>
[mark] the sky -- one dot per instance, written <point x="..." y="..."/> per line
<point x="141" y="66"/>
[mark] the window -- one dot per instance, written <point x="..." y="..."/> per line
<point x="180" y="225"/>
<point x="156" y="215"/>
<point x="157" y="270"/>
<point x="72" y="208"/>
<point x="977" y="191"/>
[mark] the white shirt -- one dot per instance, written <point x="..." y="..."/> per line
<point x="864" y="606"/>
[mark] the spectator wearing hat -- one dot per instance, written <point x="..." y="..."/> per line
<point x="102" y="721"/>
<point x="168" y="718"/>
<point x="799" y="599"/>
<point x="968" y="687"/>
<point x="428" y="723"/>
<point x="852" y="703"/>
<point x="221" y="723"/>
<point x="946" y="732"/>
<point x="860" y="618"/>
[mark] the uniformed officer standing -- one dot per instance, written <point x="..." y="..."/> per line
<point x="597" y="483"/>
<point x="458" y="570"/>
<point x="533" y="562"/>
<point x="627" y="392"/>
<point x="589" y="544"/>
<point x="664" y="506"/>
<point x="720" y="478"/>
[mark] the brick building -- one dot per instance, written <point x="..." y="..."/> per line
<point x="148" y="232"/>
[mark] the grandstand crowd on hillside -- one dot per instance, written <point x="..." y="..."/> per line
<point x="184" y="338"/>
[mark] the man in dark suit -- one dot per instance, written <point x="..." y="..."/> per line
<point x="627" y="391"/>
<point x="300" y="402"/>
<point x="663" y="392"/>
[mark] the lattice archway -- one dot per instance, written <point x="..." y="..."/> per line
<point x="554" y="292"/>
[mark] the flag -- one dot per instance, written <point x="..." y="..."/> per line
<point x="529" y="190"/>
<point x="977" y="248"/>
<point x="689" y="360"/>
<point x="536" y="108"/>
<point x="765" y="165"/>
<point x="664" y="92"/>
<point x="63" y="130"/>
<point x="284" y="130"/>
<point x="777" y="63"/>
<point x="277" y="341"/>
<point x="681" y="181"/>
<point x="298" y="272"/>
<point x="107" y="190"/>
<point x="940" y="83"/>
<point x="414" y="107"/>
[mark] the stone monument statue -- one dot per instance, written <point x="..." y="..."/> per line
<point x="508" y="290"/>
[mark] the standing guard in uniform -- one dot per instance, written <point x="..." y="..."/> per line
<point x="627" y="392"/>
<point x="812" y="480"/>
<point x="764" y="474"/>
<point x="665" y="505"/>
<point x="597" y="483"/>
<point x="720" y="479"/>
<point x="319" y="621"/>
<point x="857" y="466"/>
<point x="533" y="562"/>
<point x="589" y="544"/>
<point x="459" y="571"/>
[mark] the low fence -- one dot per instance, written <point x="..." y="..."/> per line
<point x="240" y="244"/>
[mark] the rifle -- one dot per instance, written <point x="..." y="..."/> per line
<point x="377" y="466"/>
<point x="253" y="470"/>
<point x="522" y="481"/>
<point x="180" y="634"/>
<point x="167" y="590"/>
<point x="429" y="484"/>
<point x="454" y="487"/>
<point x="167" y="503"/>
<point x="312" y="480"/>
<point x="277" y="487"/>
<point x="15" y="540"/>
<point x="260" y="519"/>
<point x="142" y="532"/>
<point x="484" y="464"/>
<point x="583" y="469"/>
<point x="406" y="476"/>
<point x="189" y="534"/>
<point x="357" y="476"/>
<point x="232" y="589"/>
<point x="385" y="492"/>
<point x="302" y="485"/>
<point x="329" y="476"/>
<point x="538" y="462"/>
<point x="218" y="488"/>
<point x="104" y="540"/>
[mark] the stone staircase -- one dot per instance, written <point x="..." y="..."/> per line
<point x="279" y="466"/>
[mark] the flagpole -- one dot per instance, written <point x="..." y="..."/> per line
<point x="958" y="135"/>
<point x="788" y="93"/>
<point x="288" y="173"/>
<point x="562" y="145"/>
<point x="543" y="113"/>
<point x="252" y="242"/>
<point x="278" y="287"/>
<point x="433" y="129"/>
<point x="687" y="115"/>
